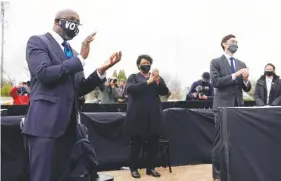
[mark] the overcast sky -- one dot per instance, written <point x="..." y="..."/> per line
<point x="182" y="36"/>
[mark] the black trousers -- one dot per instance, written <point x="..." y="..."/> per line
<point x="48" y="157"/>
<point x="151" y="147"/>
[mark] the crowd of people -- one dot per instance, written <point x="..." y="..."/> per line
<point x="113" y="90"/>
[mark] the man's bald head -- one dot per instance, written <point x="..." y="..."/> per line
<point x="66" y="23"/>
<point x="67" y="14"/>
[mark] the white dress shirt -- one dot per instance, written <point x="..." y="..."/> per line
<point x="268" y="86"/>
<point x="60" y="40"/>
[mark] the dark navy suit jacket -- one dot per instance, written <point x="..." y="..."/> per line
<point x="56" y="85"/>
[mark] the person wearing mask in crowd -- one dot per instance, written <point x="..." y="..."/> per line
<point x="268" y="88"/>
<point x="109" y="91"/>
<point x="144" y="114"/>
<point x="122" y="93"/>
<point x="122" y="86"/>
<point x="229" y="77"/>
<point x="201" y="89"/>
<point x="20" y="94"/>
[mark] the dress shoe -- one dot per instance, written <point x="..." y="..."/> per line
<point x="152" y="172"/>
<point x="135" y="174"/>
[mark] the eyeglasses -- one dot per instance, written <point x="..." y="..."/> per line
<point x="74" y="20"/>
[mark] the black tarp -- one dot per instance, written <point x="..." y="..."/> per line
<point x="251" y="144"/>
<point x="12" y="149"/>
<point x="190" y="133"/>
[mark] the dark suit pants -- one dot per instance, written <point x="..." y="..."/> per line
<point x="48" y="156"/>
<point x="151" y="150"/>
<point x="41" y="151"/>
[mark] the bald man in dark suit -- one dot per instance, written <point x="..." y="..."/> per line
<point x="57" y="82"/>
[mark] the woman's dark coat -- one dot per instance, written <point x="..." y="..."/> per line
<point x="261" y="92"/>
<point x="144" y="110"/>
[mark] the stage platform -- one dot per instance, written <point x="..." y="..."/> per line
<point x="181" y="173"/>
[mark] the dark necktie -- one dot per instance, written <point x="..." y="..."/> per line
<point x="232" y="64"/>
<point x="67" y="50"/>
<point x="68" y="54"/>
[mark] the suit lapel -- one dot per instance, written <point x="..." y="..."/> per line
<point x="56" y="47"/>
<point x="59" y="52"/>
<point x="238" y="65"/>
<point x="226" y="64"/>
<point x="265" y="88"/>
<point x="78" y="76"/>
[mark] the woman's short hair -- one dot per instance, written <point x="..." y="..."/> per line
<point x="146" y="57"/>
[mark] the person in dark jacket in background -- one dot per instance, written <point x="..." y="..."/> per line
<point x="109" y="91"/>
<point x="201" y="89"/>
<point x="144" y="113"/>
<point x="268" y="88"/>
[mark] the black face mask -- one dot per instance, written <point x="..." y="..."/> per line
<point x="269" y="73"/>
<point x="70" y="28"/>
<point x="233" y="48"/>
<point x="145" y="68"/>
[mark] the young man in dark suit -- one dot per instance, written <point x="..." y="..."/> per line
<point x="229" y="76"/>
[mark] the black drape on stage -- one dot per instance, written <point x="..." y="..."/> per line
<point x="106" y="136"/>
<point x="13" y="157"/>
<point x="250" y="141"/>
<point x="190" y="133"/>
<point x="15" y="110"/>
<point x="251" y="144"/>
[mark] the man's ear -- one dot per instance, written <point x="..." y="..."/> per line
<point x="224" y="45"/>
<point x="57" y="22"/>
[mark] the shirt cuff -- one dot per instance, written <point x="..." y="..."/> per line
<point x="82" y="60"/>
<point x="233" y="76"/>
<point x="246" y="82"/>
<point x="101" y="76"/>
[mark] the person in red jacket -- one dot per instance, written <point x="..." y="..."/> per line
<point x="20" y="94"/>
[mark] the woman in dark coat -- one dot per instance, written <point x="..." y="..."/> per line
<point x="144" y="113"/>
<point x="268" y="88"/>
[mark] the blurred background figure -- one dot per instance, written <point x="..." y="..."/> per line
<point x="165" y="98"/>
<point x="201" y="89"/>
<point x="121" y="92"/>
<point x="268" y="88"/>
<point x="20" y="93"/>
<point x="109" y="91"/>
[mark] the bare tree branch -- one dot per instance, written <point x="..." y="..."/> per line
<point x="6" y="78"/>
